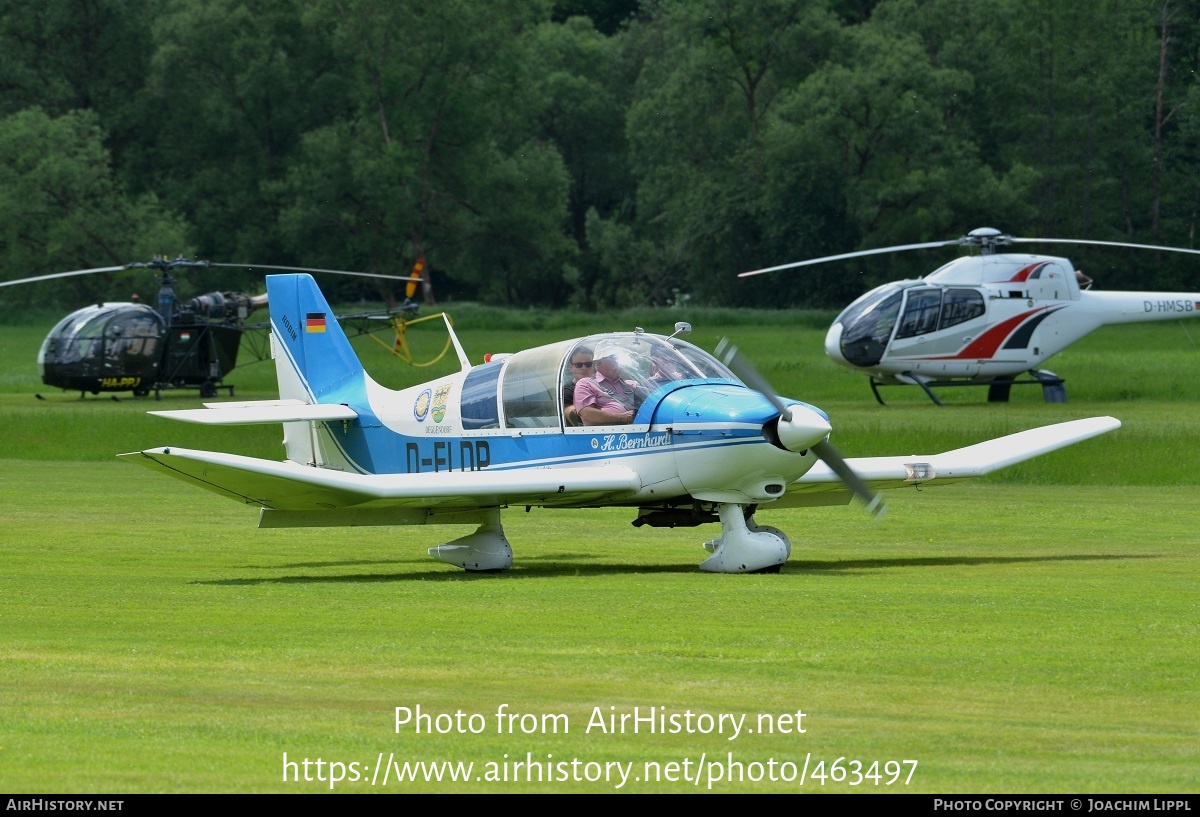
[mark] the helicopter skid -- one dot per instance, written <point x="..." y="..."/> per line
<point x="1053" y="390"/>
<point x="744" y="547"/>
<point x="484" y="551"/>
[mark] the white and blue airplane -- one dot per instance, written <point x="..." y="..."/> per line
<point x="702" y="446"/>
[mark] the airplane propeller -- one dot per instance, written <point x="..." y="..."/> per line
<point x="986" y="238"/>
<point x="825" y="450"/>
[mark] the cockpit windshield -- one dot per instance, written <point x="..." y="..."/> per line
<point x="105" y="331"/>
<point x="868" y="322"/>
<point x="908" y="308"/>
<point x="648" y="361"/>
<point x="538" y="384"/>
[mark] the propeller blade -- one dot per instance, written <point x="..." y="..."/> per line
<point x="729" y="355"/>
<point x="837" y="463"/>
<point x="1101" y="244"/>
<point x="59" y="275"/>
<point x="902" y="248"/>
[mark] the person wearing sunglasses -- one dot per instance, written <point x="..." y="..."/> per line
<point x="582" y="366"/>
<point x="608" y="398"/>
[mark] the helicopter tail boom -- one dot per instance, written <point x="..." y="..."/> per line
<point x="1140" y="307"/>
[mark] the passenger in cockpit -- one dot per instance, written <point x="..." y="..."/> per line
<point x="581" y="367"/>
<point x="665" y="368"/>
<point x="608" y="399"/>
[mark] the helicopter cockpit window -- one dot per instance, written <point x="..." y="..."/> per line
<point x="100" y="332"/>
<point x="867" y="324"/>
<point x="920" y="313"/>
<point x="960" y="306"/>
<point x="134" y="335"/>
<point x="869" y="303"/>
<point x="78" y="337"/>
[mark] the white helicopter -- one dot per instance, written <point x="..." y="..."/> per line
<point x="983" y="320"/>
<point x="702" y="445"/>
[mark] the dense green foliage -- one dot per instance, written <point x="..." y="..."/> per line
<point x="592" y="154"/>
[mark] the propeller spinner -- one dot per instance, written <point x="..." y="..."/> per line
<point x="798" y="431"/>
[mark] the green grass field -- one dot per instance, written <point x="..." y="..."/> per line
<point x="1037" y="631"/>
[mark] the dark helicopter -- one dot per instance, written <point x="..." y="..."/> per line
<point x="172" y="344"/>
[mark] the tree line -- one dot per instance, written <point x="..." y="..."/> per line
<point x="592" y="153"/>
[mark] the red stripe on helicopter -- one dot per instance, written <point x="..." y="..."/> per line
<point x="985" y="346"/>
<point x="1025" y="272"/>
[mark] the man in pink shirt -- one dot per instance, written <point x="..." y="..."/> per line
<point x="607" y="399"/>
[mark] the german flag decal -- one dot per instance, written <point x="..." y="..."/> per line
<point x="314" y="322"/>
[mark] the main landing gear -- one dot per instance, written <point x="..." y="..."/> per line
<point x="744" y="546"/>
<point x="484" y="551"/>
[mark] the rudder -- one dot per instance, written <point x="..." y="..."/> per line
<point x="310" y="342"/>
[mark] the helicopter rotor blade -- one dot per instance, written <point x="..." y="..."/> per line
<point x="901" y="248"/>
<point x="37" y="278"/>
<point x="1101" y="244"/>
<point x="984" y="237"/>
<point x="181" y="262"/>
<point x="729" y="355"/>
<point x="318" y="269"/>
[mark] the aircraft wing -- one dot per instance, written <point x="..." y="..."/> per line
<point x="260" y="411"/>
<point x="289" y="486"/>
<point x="821" y="486"/>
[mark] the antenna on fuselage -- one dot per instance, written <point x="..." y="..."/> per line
<point x="463" y="362"/>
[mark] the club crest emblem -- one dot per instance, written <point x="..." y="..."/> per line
<point x="439" y="402"/>
<point x="421" y="407"/>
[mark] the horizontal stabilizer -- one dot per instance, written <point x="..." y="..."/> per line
<point x="290" y="486"/>
<point x="263" y="411"/>
<point x="962" y="463"/>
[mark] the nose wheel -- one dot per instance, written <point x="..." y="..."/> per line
<point x="744" y="546"/>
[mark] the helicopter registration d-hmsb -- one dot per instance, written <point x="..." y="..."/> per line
<point x="985" y="319"/>
<point x="702" y="445"/>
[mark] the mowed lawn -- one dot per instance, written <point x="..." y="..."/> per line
<point x="1037" y="631"/>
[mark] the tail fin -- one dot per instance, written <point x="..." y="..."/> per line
<point x="313" y="357"/>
